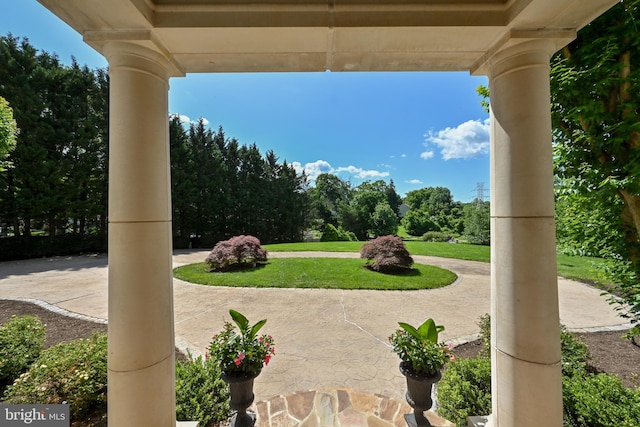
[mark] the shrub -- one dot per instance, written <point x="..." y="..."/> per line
<point x="575" y="353"/>
<point x="201" y="394"/>
<point x="465" y="390"/>
<point x="333" y="234"/>
<point x="599" y="401"/>
<point x="388" y="254"/>
<point x="74" y="372"/>
<point x="417" y="222"/>
<point x="435" y="236"/>
<point x="236" y="253"/>
<point x="21" y="340"/>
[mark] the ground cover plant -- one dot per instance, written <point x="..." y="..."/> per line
<point x="329" y="273"/>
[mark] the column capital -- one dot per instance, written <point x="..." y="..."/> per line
<point x="530" y="53"/>
<point x="134" y="56"/>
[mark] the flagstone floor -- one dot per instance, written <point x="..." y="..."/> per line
<point x="340" y="407"/>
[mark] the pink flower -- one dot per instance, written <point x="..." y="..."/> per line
<point x="239" y="359"/>
<point x="267" y="358"/>
<point x="206" y="356"/>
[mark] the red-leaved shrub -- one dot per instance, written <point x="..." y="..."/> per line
<point x="388" y="254"/>
<point x="236" y="253"/>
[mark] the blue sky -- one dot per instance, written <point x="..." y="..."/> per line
<point x="418" y="129"/>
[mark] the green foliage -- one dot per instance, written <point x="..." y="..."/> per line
<point x="477" y="224"/>
<point x="435" y="236"/>
<point x="595" y="83"/>
<point x="8" y="130"/>
<point x="599" y="401"/>
<point x="221" y="188"/>
<point x="484" y="323"/>
<point x="201" y="394"/>
<point x="575" y="353"/>
<point x="74" y="372"/>
<point x="465" y="390"/>
<point x="241" y="353"/>
<point x="419" y="349"/>
<point x="417" y="222"/>
<point x="333" y="234"/>
<point x="21" y="340"/>
<point x="388" y="254"/>
<point x="58" y="176"/>
<point x="384" y="221"/>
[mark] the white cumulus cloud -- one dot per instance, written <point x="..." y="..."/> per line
<point x="414" y="181"/>
<point x="468" y="140"/>
<point x="362" y="173"/>
<point x="427" y="154"/>
<point x="313" y="169"/>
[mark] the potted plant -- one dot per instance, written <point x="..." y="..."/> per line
<point x="241" y="354"/>
<point x="422" y="359"/>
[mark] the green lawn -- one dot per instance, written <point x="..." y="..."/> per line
<point x="331" y="273"/>
<point x="571" y="267"/>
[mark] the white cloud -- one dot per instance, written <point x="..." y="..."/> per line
<point x="414" y="181"/>
<point x="362" y="173"/>
<point x="427" y="155"/>
<point x="403" y="155"/>
<point x="312" y="170"/>
<point x="187" y="120"/>
<point x="467" y="140"/>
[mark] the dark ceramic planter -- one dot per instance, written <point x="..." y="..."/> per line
<point x="418" y="395"/>
<point x="241" y="391"/>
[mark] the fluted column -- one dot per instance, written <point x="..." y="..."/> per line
<point x="525" y="338"/>
<point x="141" y="366"/>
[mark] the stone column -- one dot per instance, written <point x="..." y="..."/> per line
<point x="141" y="366"/>
<point x="525" y="337"/>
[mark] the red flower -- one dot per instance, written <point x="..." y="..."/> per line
<point x="239" y="359"/>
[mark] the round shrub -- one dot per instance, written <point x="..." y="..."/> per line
<point x="333" y="234"/>
<point x="21" y="340"/>
<point x="201" y="394"/>
<point x="388" y="254"/>
<point x="74" y="372"/>
<point x="465" y="390"/>
<point x="236" y="253"/>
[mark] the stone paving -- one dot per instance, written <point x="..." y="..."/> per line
<point x="325" y="338"/>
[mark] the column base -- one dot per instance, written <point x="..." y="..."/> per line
<point x="478" y="421"/>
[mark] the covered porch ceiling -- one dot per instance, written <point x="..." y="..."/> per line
<point x="199" y="36"/>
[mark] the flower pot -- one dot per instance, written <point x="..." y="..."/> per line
<point x="241" y="391"/>
<point x="418" y="395"/>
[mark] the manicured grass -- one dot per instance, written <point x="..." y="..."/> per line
<point x="331" y="273"/>
<point x="581" y="268"/>
<point x="571" y="267"/>
<point x="445" y="250"/>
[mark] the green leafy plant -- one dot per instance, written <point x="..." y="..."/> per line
<point x="201" y="394"/>
<point x="599" y="401"/>
<point x="21" y="340"/>
<point x="435" y="236"/>
<point x="74" y="372"/>
<point x="243" y="353"/>
<point x="465" y="390"/>
<point x="419" y="349"/>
